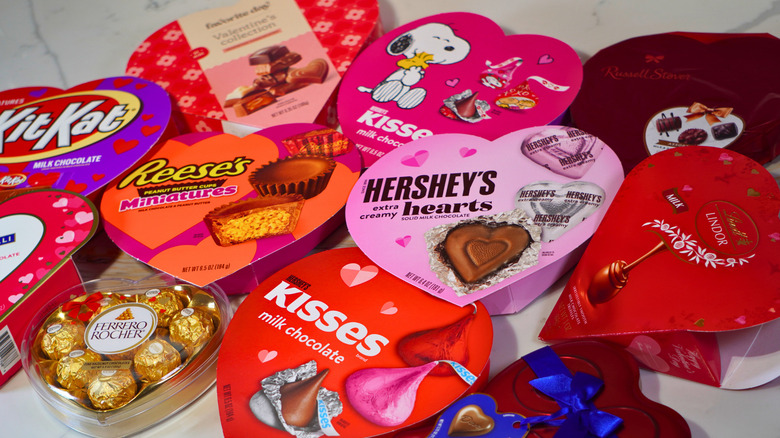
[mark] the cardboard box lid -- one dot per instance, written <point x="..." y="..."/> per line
<point x="410" y="82"/>
<point x="554" y="181"/>
<point x="632" y="85"/>
<point x="343" y="313"/>
<point x="79" y="139"/>
<point x="156" y="212"/>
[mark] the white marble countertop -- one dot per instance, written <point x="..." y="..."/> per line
<point x="65" y="43"/>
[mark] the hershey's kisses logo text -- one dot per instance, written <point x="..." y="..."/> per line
<point x="63" y="124"/>
<point x="290" y="296"/>
<point x="377" y="122"/>
<point x="121" y="328"/>
<point x="186" y="183"/>
<point x="422" y="195"/>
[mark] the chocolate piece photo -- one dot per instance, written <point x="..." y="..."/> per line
<point x="253" y="219"/>
<point x="480" y="252"/>
<point x="724" y="131"/>
<point x="693" y="136"/>
<point x="305" y="175"/>
<point x="666" y="124"/>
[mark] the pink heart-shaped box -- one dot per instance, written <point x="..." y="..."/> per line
<point x="454" y="73"/>
<point x="415" y="205"/>
<point x="34" y="266"/>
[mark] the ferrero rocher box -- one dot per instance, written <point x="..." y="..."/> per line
<point x="334" y="345"/>
<point x="466" y="219"/>
<point x="256" y="63"/>
<point x="112" y="357"/>
<point x="213" y="207"/>
<point x="683" y="270"/>
<point x="40" y="229"/>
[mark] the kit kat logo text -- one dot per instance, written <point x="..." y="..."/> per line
<point x="62" y="124"/>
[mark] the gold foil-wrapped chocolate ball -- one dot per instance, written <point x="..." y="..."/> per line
<point x="192" y="328"/>
<point x="71" y="372"/>
<point x="165" y="302"/>
<point x="61" y="338"/>
<point x="154" y="359"/>
<point x="111" y="389"/>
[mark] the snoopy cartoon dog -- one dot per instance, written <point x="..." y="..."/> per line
<point x="430" y="43"/>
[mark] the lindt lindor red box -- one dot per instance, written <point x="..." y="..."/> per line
<point x="466" y="219"/>
<point x="40" y="229"/>
<point x="257" y="64"/>
<point x="334" y="345"/>
<point x="213" y="207"/>
<point x="454" y="73"/>
<point x="656" y="92"/>
<point x="682" y="271"/>
<point x="82" y="138"/>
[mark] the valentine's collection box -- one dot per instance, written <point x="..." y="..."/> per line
<point x="652" y="93"/>
<point x="257" y="64"/>
<point x="683" y="270"/>
<point x="464" y="218"/>
<point x="454" y="73"/>
<point x="40" y="229"/>
<point x="212" y="207"/>
<point x="576" y="388"/>
<point x="334" y="345"/>
<point x="112" y="357"/>
<point x="81" y="138"/>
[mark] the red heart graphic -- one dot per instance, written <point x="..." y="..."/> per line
<point x="40" y="179"/>
<point x="146" y="117"/>
<point x="98" y="176"/>
<point x="75" y="187"/>
<point x="149" y="130"/>
<point x="121" y="145"/>
<point x="121" y="82"/>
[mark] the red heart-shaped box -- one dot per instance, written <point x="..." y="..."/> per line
<point x="683" y="270"/>
<point x="620" y="395"/>
<point x="652" y="93"/>
<point x="40" y="229"/>
<point x="202" y="58"/>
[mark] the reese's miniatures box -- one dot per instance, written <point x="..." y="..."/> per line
<point x="257" y="64"/>
<point x="334" y="345"/>
<point x="465" y="219"/>
<point x="40" y="229"/>
<point x="82" y="138"/>
<point x="454" y="73"/>
<point x="213" y="207"/>
<point x="683" y="270"/>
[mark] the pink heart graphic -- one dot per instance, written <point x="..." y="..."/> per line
<point x="775" y="236"/>
<point x="452" y="82"/>
<point x="26" y="278"/>
<point x="352" y="274"/>
<point x="61" y="203"/>
<point x="403" y="241"/>
<point x="545" y="59"/>
<point x="66" y="237"/>
<point x="83" y="217"/>
<point x="41" y="272"/>
<point x="265" y="355"/>
<point x="415" y="160"/>
<point x="388" y="308"/>
<point x="467" y="152"/>
<point x="687" y="188"/>
<point x="647" y="351"/>
<point x="741" y="320"/>
<point x="15" y="298"/>
<point x="725" y="157"/>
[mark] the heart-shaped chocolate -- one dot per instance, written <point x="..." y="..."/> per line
<point x="556" y="207"/>
<point x="471" y="421"/>
<point x="313" y="73"/>
<point x="477" y="250"/>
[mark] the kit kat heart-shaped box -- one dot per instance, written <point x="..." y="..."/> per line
<point x="651" y="93"/>
<point x="82" y="138"/>
<point x="683" y="270"/>
<point x="465" y="219"/>
<point x="257" y="64"/>
<point x="454" y="73"/>
<point x="213" y="207"/>
<point x="40" y="229"/>
<point x="334" y="345"/>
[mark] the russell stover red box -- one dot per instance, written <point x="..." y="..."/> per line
<point x="683" y="270"/>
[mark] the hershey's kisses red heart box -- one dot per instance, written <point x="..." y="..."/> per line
<point x="40" y="229"/>
<point x="684" y="270"/>
<point x="257" y="64"/>
<point x="652" y="93"/>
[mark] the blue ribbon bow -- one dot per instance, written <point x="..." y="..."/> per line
<point x="573" y="394"/>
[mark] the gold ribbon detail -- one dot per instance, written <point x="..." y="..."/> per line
<point x="711" y="115"/>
